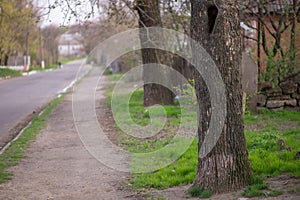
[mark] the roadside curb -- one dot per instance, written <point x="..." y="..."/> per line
<point x="29" y="73"/>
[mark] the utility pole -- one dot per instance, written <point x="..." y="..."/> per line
<point x="27" y="40"/>
<point x="27" y="46"/>
<point x="41" y="49"/>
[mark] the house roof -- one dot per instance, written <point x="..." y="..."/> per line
<point x="271" y="6"/>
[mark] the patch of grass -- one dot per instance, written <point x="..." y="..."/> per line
<point x="114" y="77"/>
<point x="255" y="188"/>
<point x="252" y="191"/>
<point x="37" y="68"/>
<point x="53" y="66"/>
<point x="275" y="193"/>
<point x="141" y="115"/>
<point x="15" y="152"/>
<point x="197" y="191"/>
<point x="137" y="146"/>
<point x="181" y="172"/>
<point x="262" y="142"/>
<point x="269" y="114"/>
<point x="254" y="180"/>
<point x="265" y="155"/>
<point x="67" y="60"/>
<point x="9" y="72"/>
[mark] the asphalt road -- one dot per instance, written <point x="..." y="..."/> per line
<point x="22" y="96"/>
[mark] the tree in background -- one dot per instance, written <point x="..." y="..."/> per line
<point x="18" y="20"/>
<point x="94" y="32"/>
<point x="216" y="26"/>
<point x="149" y="16"/>
<point x="50" y="35"/>
<point x="7" y="32"/>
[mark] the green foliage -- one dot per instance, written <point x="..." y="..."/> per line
<point x="197" y="191"/>
<point x="9" y="72"/>
<point x="15" y="152"/>
<point x="278" y="67"/>
<point x="187" y="93"/>
<point x="15" y="21"/>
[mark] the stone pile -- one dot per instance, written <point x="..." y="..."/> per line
<point x="285" y="96"/>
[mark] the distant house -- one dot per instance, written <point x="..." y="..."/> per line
<point x="69" y="45"/>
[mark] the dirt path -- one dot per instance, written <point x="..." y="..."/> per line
<point x="57" y="166"/>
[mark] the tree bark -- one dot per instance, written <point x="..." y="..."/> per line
<point x="149" y="16"/>
<point x="216" y="27"/>
<point x="293" y="38"/>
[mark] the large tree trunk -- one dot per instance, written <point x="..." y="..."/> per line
<point x="149" y="16"/>
<point x="216" y="27"/>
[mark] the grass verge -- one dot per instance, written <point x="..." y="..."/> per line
<point x="15" y="152"/>
<point x="9" y="73"/>
<point x="36" y="68"/>
<point x="53" y="66"/>
<point x="263" y="133"/>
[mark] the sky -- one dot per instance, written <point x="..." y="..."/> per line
<point x="61" y="15"/>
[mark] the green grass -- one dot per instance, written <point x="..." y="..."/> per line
<point x="275" y="193"/>
<point x="264" y="149"/>
<point x="53" y="66"/>
<point x="67" y="60"/>
<point x="15" y="152"/>
<point x="262" y="134"/>
<point x="9" y="72"/>
<point x="257" y="187"/>
<point x="37" y="68"/>
<point x="196" y="191"/>
<point x="264" y="154"/>
<point x="255" y="190"/>
<point x="114" y="77"/>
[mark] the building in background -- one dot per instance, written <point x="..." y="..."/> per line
<point x="69" y="45"/>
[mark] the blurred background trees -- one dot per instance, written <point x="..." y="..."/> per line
<point x="18" y="27"/>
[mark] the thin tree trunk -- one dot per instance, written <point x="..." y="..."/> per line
<point x="216" y="27"/>
<point x="6" y="57"/>
<point x="149" y="15"/>
<point x="258" y="45"/>
<point x="293" y="39"/>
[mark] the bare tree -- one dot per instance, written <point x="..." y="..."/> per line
<point x="50" y="36"/>
<point x="149" y="16"/>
